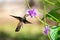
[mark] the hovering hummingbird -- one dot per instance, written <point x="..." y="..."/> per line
<point x="21" y="21"/>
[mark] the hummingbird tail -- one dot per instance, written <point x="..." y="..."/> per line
<point x="17" y="29"/>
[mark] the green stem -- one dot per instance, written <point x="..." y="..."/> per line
<point x="49" y="36"/>
<point x="50" y="2"/>
<point x="44" y="13"/>
<point x="41" y="21"/>
<point x="28" y="4"/>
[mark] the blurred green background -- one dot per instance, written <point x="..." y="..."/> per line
<point x="27" y="32"/>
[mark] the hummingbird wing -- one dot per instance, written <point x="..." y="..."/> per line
<point x="26" y="22"/>
<point x="19" y="18"/>
<point x="19" y="26"/>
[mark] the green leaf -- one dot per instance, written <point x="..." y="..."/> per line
<point x="54" y="33"/>
<point x="58" y="3"/>
<point x="55" y="14"/>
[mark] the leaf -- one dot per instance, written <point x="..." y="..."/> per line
<point x="55" y="14"/>
<point x="54" y="33"/>
<point x="58" y="33"/>
<point x="58" y="3"/>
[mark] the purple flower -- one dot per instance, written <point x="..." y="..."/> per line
<point x="46" y="30"/>
<point x="32" y="12"/>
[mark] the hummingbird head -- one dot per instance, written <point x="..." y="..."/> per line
<point x="26" y="15"/>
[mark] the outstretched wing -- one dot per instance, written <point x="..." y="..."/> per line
<point x="26" y="22"/>
<point x="19" y="18"/>
<point x="19" y="26"/>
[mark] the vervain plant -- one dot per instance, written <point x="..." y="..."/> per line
<point x="52" y="31"/>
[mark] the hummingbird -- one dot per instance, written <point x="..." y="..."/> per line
<point x="21" y="21"/>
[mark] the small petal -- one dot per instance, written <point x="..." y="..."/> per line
<point x="32" y="12"/>
<point x="46" y="30"/>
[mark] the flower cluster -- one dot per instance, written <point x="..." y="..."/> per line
<point x="46" y="30"/>
<point x="32" y="12"/>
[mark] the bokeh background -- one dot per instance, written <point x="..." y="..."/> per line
<point x="8" y="24"/>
